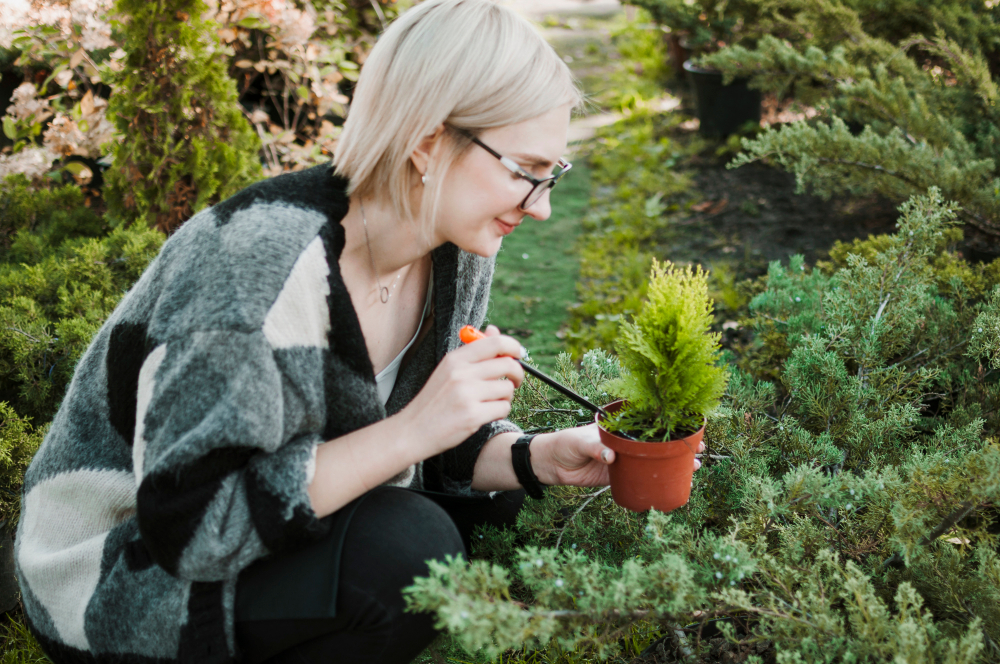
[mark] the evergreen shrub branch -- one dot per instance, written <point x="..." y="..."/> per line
<point x="927" y="105"/>
<point x="61" y="274"/>
<point x="863" y="425"/>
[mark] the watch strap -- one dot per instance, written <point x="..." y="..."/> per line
<point x="520" y="456"/>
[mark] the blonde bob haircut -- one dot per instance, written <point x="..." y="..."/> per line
<point x="467" y="64"/>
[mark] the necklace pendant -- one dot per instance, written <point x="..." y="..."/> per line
<point x="383" y="294"/>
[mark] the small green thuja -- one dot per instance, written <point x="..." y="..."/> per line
<point x="671" y="379"/>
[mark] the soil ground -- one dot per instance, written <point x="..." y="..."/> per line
<point x="752" y="215"/>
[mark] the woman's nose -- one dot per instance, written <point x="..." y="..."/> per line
<point x="540" y="209"/>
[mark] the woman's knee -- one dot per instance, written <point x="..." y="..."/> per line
<point x="394" y="532"/>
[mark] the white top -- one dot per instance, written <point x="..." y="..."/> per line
<point x="386" y="379"/>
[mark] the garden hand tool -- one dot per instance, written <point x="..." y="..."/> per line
<point x="468" y="334"/>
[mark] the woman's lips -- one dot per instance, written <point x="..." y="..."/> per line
<point x="505" y="228"/>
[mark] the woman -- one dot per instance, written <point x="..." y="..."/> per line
<point x="278" y="426"/>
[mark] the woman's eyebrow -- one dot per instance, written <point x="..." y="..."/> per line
<point x="532" y="159"/>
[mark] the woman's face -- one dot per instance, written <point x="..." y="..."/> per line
<point x="480" y="197"/>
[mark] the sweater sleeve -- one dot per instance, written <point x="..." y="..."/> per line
<point x="219" y="485"/>
<point x="451" y="471"/>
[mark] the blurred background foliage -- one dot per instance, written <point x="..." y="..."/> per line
<point x="219" y="94"/>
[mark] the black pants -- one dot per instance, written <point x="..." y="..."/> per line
<point x="339" y="600"/>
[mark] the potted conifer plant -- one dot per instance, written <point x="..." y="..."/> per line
<point x="670" y="382"/>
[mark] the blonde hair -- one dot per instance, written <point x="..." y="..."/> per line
<point x="468" y="64"/>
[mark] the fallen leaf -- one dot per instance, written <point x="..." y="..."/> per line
<point x="711" y="207"/>
<point x="77" y="58"/>
<point x="719" y="206"/>
<point x="87" y="104"/>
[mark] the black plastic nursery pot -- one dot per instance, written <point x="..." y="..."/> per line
<point x="722" y="109"/>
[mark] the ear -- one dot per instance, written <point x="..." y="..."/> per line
<point x="422" y="154"/>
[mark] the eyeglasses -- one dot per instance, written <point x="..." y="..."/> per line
<point x="538" y="187"/>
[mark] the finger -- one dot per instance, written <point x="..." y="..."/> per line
<point x="492" y="346"/>
<point x="491" y="390"/>
<point x="701" y="446"/>
<point x="500" y="367"/>
<point x="697" y="464"/>
<point x="492" y="330"/>
<point x="597" y="451"/>
<point x="491" y="411"/>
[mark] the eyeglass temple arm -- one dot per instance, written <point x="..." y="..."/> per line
<point x="512" y="166"/>
<point x="508" y="163"/>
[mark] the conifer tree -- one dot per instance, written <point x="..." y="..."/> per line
<point x="669" y="353"/>
<point x="184" y="141"/>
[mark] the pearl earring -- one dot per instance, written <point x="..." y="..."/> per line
<point x="423" y="179"/>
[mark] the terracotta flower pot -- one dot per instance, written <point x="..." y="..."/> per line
<point x="646" y="475"/>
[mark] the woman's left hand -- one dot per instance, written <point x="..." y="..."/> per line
<point x="575" y="457"/>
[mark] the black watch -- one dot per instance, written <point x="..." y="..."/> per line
<point x="520" y="457"/>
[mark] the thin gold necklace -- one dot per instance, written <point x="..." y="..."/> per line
<point x="383" y="293"/>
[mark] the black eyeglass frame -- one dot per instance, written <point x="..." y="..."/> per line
<point x="537" y="185"/>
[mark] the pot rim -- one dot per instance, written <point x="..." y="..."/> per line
<point x="648" y="448"/>
<point x="695" y="69"/>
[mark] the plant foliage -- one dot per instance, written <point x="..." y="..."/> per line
<point x="704" y="26"/>
<point x="18" y="443"/>
<point x="637" y="190"/>
<point x="62" y="272"/>
<point x="900" y="112"/>
<point x="846" y="508"/>
<point x="19" y="646"/>
<point x="186" y="143"/>
<point x="289" y="60"/>
<point x="671" y="381"/>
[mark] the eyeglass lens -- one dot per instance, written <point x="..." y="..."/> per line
<point x="536" y="193"/>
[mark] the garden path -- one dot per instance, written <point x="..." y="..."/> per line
<point x="538" y="266"/>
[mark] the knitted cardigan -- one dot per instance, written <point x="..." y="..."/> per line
<point x="185" y="444"/>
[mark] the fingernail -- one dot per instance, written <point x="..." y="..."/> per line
<point x="697" y="464"/>
<point x="604" y="455"/>
<point x="524" y="352"/>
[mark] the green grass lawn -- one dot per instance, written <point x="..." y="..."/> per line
<point x="537" y="269"/>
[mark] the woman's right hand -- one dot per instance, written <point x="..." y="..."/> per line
<point x="464" y="391"/>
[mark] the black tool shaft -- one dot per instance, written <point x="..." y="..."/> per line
<point x="562" y="389"/>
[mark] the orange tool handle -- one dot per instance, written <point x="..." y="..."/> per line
<point x="468" y="334"/>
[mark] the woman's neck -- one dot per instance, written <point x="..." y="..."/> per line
<point x="375" y="234"/>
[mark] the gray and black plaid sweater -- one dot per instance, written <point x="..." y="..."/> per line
<point x="185" y="444"/>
